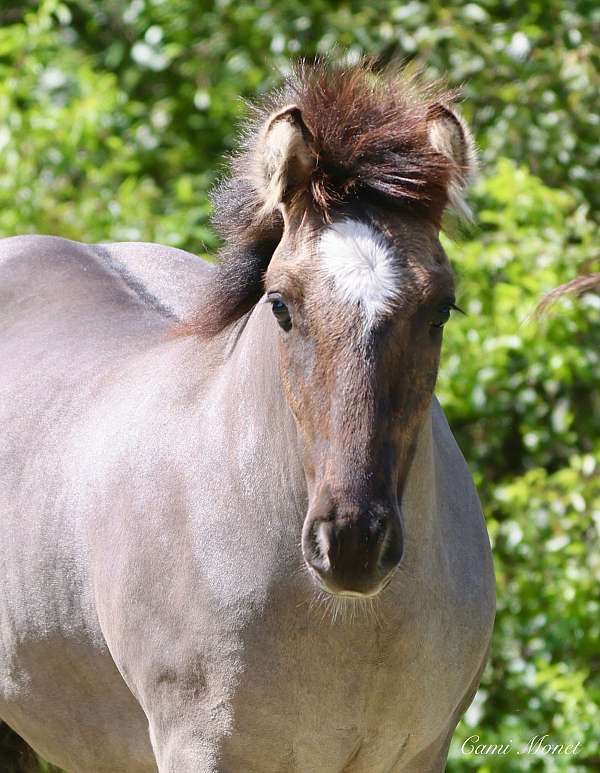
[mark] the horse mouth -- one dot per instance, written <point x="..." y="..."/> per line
<point x="350" y="594"/>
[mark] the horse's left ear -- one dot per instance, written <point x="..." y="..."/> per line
<point x="450" y="135"/>
<point x="285" y="157"/>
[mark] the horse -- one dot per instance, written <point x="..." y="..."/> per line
<point x="237" y="533"/>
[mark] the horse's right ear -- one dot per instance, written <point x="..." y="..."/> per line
<point x="285" y="158"/>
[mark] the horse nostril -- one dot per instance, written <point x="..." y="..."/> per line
<point x="322" y="533"/>
<point x="392" y="547"/>
<point x="316" y="546"/>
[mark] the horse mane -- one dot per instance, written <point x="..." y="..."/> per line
<point x="369" y="141"/>
<point x="581" y="284"/>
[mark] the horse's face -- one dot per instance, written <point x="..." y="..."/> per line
<point x="360" y="306"/>
<point x="360" y="296"/>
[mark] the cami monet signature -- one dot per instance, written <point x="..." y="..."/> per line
<point x="540" y="745"/>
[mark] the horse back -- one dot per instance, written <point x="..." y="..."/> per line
<point x="150" y="278"/>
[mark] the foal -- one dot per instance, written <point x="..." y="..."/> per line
<point x="204" y="451"/>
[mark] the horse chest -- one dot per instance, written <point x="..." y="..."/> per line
<point x="353" y="689"/>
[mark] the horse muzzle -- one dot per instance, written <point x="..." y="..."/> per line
<point x="352" y="551"/>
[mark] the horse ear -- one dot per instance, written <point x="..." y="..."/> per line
<point x="450" y="136"/>
<point x="286" y="159"/>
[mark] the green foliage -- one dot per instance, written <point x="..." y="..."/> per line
<point x="115" y="119"/>
<point x="527" y="393"/>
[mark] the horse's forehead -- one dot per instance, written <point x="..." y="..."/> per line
<point x="361" y="266"/>
<point x="368" y="270"/>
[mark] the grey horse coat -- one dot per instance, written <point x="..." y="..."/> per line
<point x="154" y="608"/>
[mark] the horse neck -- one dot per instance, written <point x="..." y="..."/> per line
<point x="420" y="505"/>
<point x="254" y="408"/>
<point x="249" y="374"/>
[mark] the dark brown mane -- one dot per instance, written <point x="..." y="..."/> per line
<point x="369" y="141"/>
<point x="578" y="286"/>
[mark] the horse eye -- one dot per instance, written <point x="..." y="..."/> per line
<point x="442" y="314"/>
<point x="281" y="313"/>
